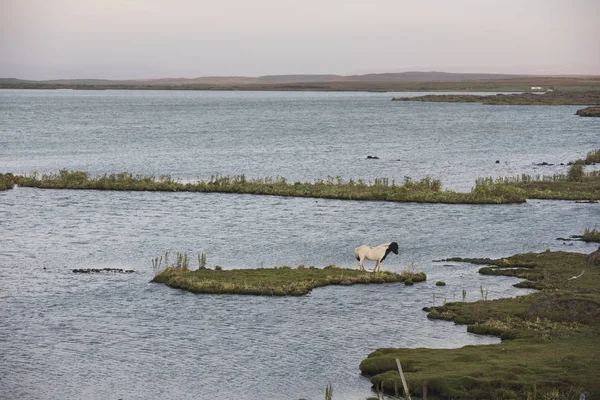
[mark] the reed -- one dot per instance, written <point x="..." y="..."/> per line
<point x="277" y="281"/>
<point x="426" y="190"/>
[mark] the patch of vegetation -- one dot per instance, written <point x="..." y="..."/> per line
<point x="277" y="281"/>
<point x="592" y="157"/>
<point x="589" y="112"/>
<point x="591" y="235"/>
<point x="426" y="190"/>
<point x="548" y="98"/>
<point x="7" y="181"/>
<point x="575" y="185"/>
<point x="551" y="338"/>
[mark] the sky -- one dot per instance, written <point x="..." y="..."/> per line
<point x="136" y="39"/>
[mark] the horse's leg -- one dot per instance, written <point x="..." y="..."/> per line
<point x="377" y="266"/>
<point x="362" y="264"/>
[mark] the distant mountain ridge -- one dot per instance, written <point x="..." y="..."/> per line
<point x="411" y="76"/>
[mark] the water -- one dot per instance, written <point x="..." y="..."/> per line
<point x="68" y="336"/>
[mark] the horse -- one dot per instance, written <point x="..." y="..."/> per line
<point x="378" y="254"/>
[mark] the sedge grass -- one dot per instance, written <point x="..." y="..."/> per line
<point x="426" y="190"/>
<point x="551" y="338"/>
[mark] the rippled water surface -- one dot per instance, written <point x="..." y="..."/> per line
<point x="68" y="336"/>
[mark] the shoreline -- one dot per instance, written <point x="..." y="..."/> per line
<point x="550" y="338"/>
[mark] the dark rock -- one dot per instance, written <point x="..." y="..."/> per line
<point x="372" y="158"/>
<point x="544" y="164"/>
<point x="497" y="161"/>
<point x="100" y="270"/>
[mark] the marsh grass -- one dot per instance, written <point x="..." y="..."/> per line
<point x="551" y="338"/>
<point x="591" y="235"/>
<point x="7" y="181"/>
<point x="575" y="185"/>
<point x="277" y="281"/>
<point x="426" y="190"/>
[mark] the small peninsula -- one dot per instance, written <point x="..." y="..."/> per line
<point x="553" y="98"/>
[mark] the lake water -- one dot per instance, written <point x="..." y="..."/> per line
<point x="69" y="336"/>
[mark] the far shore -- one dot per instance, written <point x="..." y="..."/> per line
<point x="423" y="82"/>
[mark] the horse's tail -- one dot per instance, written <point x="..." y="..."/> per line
<point x="356" y="254"/>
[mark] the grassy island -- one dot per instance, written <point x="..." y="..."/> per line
<point x="426" y="190"/>
<point x="551" y="338"/>
<point x="278" y="281"/>
<point x="546" y="99"/>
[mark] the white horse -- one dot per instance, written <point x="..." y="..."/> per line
<point x="378" y="254"/>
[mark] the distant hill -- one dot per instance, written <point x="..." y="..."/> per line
<point x="387" y="82"/>
<point x="415" y="76"/>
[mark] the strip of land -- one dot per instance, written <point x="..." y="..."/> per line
<point x="279" y="281"/>
<point x="387" y="82"/>
<point x="426" y="190"/>
<point x="575" y="185"/>
<point x="551" y="338"/>
<point x="548" y="98"/>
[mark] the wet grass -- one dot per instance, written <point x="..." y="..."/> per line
<point x="549" y="98"/>
<point x="277" y="281"/>
<point x="426" y="190"/>
<point x="7" y="181"/>
<point x="551" y="338"/>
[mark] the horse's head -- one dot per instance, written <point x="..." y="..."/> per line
<point x="393" y="247"/>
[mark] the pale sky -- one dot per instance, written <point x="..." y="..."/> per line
<point x="131" y="39"/>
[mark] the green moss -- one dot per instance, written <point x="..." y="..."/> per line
<point x="282" y="281"/>
<point x="551" y="338"/>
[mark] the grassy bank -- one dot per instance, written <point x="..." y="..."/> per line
<point x="576" y="184"/>
<point x="551" y="338"/>
<point x="278" y="281"/>
<point x="426" y="190"/>
<point x="549" y="98"/>
<point x="7" y="181"/>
